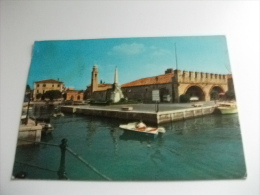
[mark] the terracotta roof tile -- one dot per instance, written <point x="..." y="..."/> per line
<point x="160" y="79"/>
<point x="49" y="81"/>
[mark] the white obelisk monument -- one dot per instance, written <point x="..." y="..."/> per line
<point x="116" y="94"/>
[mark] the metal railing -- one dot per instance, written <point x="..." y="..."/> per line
<point x="61" y="172"/>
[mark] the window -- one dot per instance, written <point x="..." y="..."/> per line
<point x="58" y="85"/>
<point x="37" y="85"/>
<point x="44" y="85"/>
<point x="52" y="85"/>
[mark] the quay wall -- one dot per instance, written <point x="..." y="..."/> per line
<point x="29" y="132"/>
<point x="170" y="116"/>
<point x="147" y="117"/>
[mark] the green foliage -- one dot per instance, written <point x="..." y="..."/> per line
<point x="38" y="96"/>
<point x="52" y="94"/>
<point x="123" y="100"/>
<point x="230" y="95"/>
<point x="139" y="100"/>
<point x="184" y="98"/>
<point x="28" y="88"/>
<point x="214" y="95"/>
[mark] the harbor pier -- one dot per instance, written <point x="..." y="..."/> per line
<point x="144" y="112"/>
<point x="30" y="131"/>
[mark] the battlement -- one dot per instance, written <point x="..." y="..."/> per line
<point x="199" y="77"/>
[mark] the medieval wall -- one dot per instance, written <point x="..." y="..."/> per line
<point x="200" y="78"/>
<point x="205" y="81"/>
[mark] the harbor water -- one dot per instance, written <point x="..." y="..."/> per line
<point x="204" y="148"/>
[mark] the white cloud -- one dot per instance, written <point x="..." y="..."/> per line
<point x="129" y="49"/>
<point x="161" y="52"/>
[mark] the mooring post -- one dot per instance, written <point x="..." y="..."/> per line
<point x="61" y="171"/>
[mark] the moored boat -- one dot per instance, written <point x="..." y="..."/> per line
<point x="47" y="128"/>
<point x="227" y="108"/>
<point x="142" y="128"/>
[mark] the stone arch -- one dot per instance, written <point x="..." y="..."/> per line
<point x="217" y="89"/>
<point x="195" y="90"/>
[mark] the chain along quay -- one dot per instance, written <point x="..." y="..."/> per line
<point x="149" y="113"/>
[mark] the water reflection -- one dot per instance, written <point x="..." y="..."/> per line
<point x="197" y="125"/>
<point x="91" y="131"/>
<point x="135" y="136"/>
<point x="115" y="137"/>
<point x="202" y="148"/>
<point x="43" y="111"/>
<point x="47" y="137"/>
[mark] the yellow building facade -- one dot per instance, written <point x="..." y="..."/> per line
<point x="40" y="87"/>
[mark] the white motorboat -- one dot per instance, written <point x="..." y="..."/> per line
<point x="227" y="108"/>
<point x="142" y="128"/>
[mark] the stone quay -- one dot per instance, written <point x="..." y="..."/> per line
<point x="30" y="131"/>
<point x="145" y="112"/>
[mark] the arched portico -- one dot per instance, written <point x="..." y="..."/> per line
<point x="215" y="92"/>
<point x="195" y="91"/>
<point x="198" y="84"/>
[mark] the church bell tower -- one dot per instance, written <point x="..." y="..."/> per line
<point x="94" y="79"/>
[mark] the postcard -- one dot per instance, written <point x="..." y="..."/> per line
<point x="130" y="109"/>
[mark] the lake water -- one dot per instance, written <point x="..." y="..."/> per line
<point x="204" y="148"/>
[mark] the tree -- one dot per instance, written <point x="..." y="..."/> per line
<point x="38" y="96"/>
<point x="230" y="95"/>
<point x="52" y="94"/>
<point x="184" y="98"/>
<point x="28" y="88"/>
<point x="214" y="95"/>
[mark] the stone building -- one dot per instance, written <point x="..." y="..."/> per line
<point x="198" y="84"/>
<point x="230" y="83"/>
<point x="171" y="85"/>
<point x="74" y="95"/>
<point x="40" y="87"/>
<point x="141" y="89"/>
<point x="97" y="91"/>
<point x="175" y="83"/>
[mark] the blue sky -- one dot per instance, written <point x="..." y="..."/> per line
<point x="71" y="61"/>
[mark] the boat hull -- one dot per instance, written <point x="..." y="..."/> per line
<point x="147" y="130"/>
<point x="228" y="110"/>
